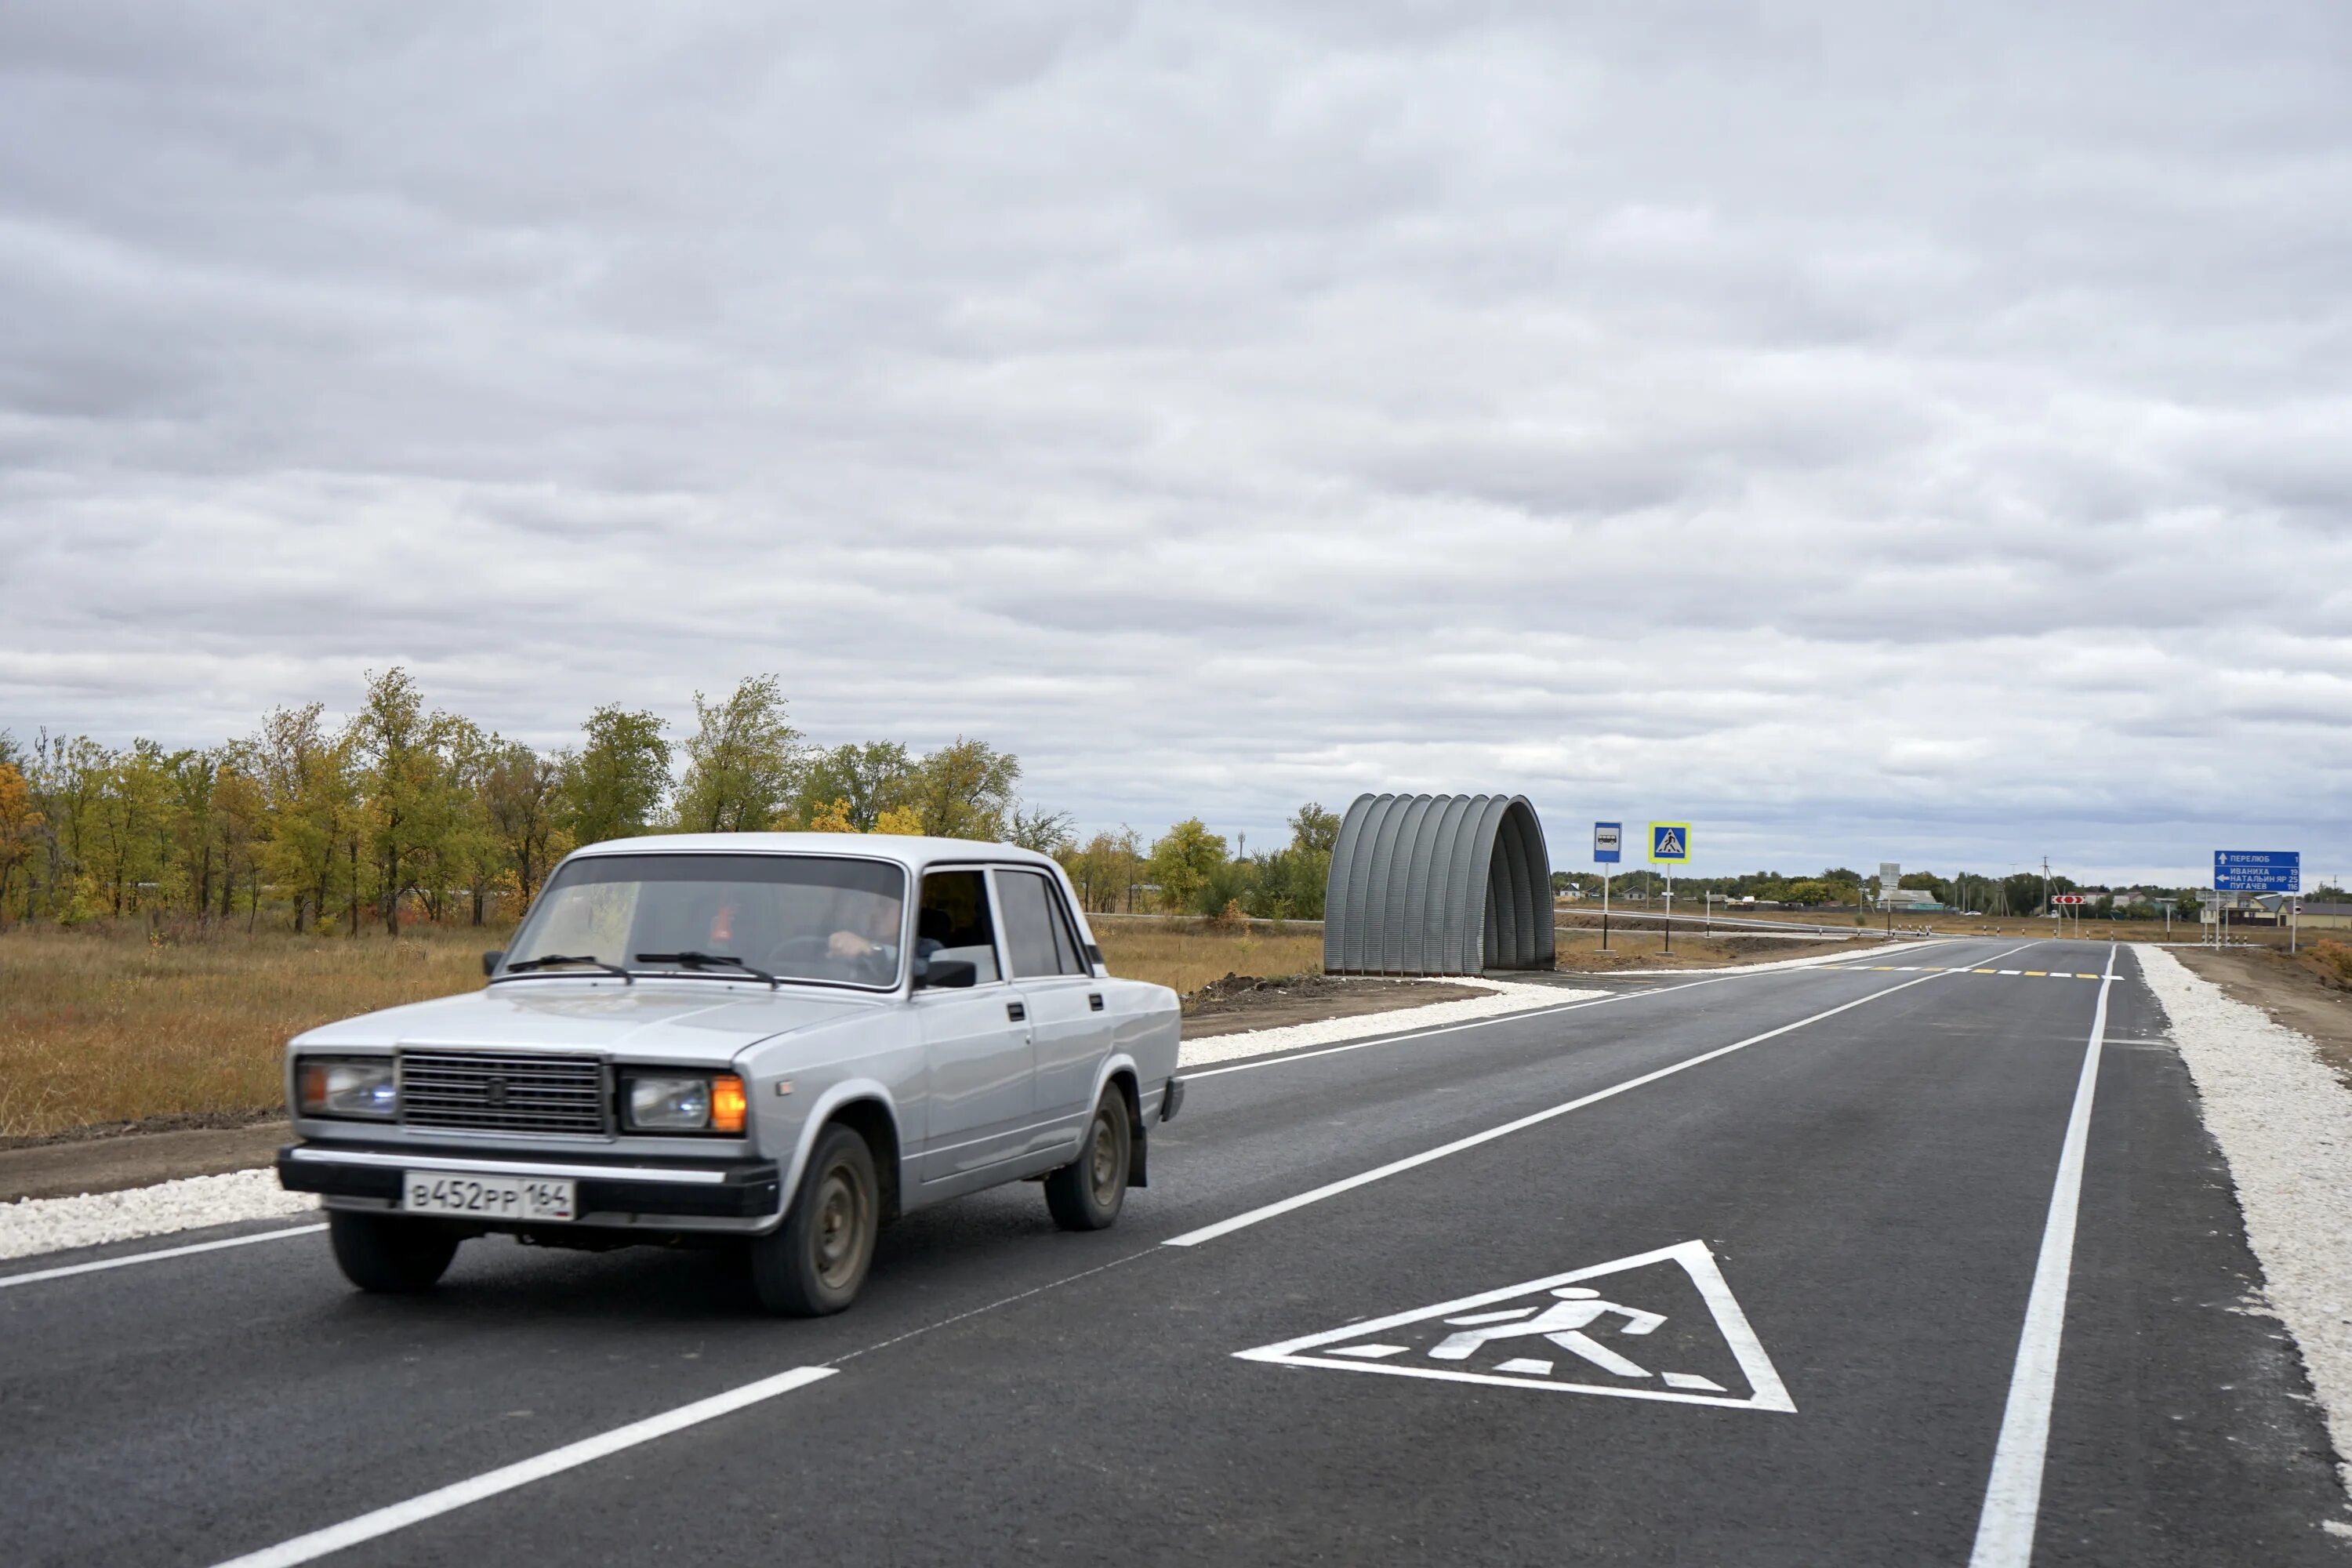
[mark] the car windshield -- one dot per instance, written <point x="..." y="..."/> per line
<point x="797" y="917"/>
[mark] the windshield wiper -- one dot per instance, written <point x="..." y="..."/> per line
<point x="555" y="959"/>
<point x="690" y="960"/>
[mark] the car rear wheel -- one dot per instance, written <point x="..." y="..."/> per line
<point x="1086" y="1193"/>
<point x="388" y="1254"/>
<point x="814" y="1263"/>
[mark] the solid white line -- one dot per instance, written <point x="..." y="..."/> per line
<point x="35" y="1278"/>
<point x="416" y="1509"/>
<point x="1227" y="1226"/>
<point x="1282" y="1058"/>
<point x="2013" y="1496"/>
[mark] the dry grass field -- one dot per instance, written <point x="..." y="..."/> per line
<point x="109" y="1026"/>
<point x="1188" y="954"/>
<point x="104" y="1026"/>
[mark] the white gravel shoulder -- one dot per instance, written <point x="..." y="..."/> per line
<point x="2283" y="1121"/>
<point x="1508" y="997"/>
<point x="53" y="1225"/>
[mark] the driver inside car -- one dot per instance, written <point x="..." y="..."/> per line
<point x="866" y="929"/>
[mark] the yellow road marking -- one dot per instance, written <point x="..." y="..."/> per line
<point x="2041" y="972"/>
<point x="1984" y="972"/>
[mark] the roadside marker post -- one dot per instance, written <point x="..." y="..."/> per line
<point x="1608" y="849"/>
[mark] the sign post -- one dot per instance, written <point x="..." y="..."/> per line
<point x="1670" y="847"/>
<point x="2261" y="871"/>
<point x="1890" y="877"/>
<point x="1608" y="849"/>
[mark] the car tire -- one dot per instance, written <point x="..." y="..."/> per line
<point x="1087" y="1193"/>
<point x="389" y="1255"/>
<point x="814" y="1263"/>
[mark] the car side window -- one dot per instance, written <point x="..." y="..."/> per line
<point x="1066" y="946"/>
<point x="1032" y="928"/>
<point x="953" y="921"/>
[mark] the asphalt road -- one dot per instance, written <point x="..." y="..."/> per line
<point x="1835" y="1187"/>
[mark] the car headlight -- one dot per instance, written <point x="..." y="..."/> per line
<point x="362" y="1087"/>
<point x="683" y="1102"/>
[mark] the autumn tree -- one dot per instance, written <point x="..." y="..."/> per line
<point x="965" y="790"/>
<point x="20" y="832"/>
<point x="742" y="762"/>
<point x="1183" y="861"/>
<point x="613" y="783"/>
<point x="523" y="797"/>
<point x="865" y="781"/>
<point x="309" y="802"/>
<point x="1047" y="832"/>
<point x="1105" y="870"/>
<point x="400" y="747"/>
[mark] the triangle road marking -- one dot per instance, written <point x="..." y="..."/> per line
<point x="1540" y="1325"/>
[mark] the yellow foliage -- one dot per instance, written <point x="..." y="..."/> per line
<point x="900" y="820"/>
<point x="832" y="818"/>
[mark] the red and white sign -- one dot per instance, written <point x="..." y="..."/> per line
<point x="2069" y="898"/>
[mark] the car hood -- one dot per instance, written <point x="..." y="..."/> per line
<point x="678" y="1020"/>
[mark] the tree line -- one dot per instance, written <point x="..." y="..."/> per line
<point x="405" y="811"/>
<point x="2018" y="893"/>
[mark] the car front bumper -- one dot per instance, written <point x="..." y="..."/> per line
<point x="730" y="1196"/>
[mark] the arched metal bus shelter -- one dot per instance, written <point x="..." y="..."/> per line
<point x="1438" y="884"/>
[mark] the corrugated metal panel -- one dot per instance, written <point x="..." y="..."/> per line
<point x="1438" y="885"/>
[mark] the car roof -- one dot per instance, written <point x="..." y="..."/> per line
<point x="912" y="852"/>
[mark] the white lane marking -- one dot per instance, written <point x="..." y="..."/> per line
<point x="1561" y="1310"/>
<point x="1288" y="1056"/>
<point x="2013" y="1495"/>
<point x="1333" y="1189"/>
<point x="416" y="1509"/>
<point x="155" y="1256"/>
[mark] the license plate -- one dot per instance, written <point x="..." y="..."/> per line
<point x="486" y="1197"/>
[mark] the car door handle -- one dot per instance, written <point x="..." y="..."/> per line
<point x="1093" y="1000"/>
<point x="1016" y="1012"/>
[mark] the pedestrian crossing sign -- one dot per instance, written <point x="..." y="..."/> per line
<point x="1669" y="843"/>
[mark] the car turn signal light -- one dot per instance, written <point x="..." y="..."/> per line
<point x="728" y="1103"/>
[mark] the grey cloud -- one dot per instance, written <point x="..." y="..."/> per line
<point x="1857" y="426"/>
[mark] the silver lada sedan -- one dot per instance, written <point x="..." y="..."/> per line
<point x="777" y="1041"/>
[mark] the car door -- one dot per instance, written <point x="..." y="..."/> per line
<point x="1067" y="1022"/>
<point x="979" y="1063"/>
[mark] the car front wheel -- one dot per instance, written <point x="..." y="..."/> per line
<point x="1086" y="1195"/>
<point x="388" y="1254"/>
<point x="815" y="1262"/>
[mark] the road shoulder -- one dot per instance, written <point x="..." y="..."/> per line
<point x="2283" y="1121"/>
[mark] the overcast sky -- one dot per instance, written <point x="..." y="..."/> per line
<point x="1869" y="431"/>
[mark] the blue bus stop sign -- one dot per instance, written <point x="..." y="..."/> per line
<point x="1608" y="843"/>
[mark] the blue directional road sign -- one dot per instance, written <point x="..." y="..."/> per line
<point x="2257" y="871"/>
<point x="1608" y="843"/>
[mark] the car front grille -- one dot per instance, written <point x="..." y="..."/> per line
<point x="478" y="1091"/>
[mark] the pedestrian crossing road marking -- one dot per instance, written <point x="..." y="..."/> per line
<point x="1956" y="969"/>
<point x="1590" y="1343"/>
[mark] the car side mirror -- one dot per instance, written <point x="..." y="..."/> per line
<point x="491" y="960"/>
<point x="932" y="973"/>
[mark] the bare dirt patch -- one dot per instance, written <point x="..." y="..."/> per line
<point x="2310" y="992"/>
<point x="1241" y="1002"/>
